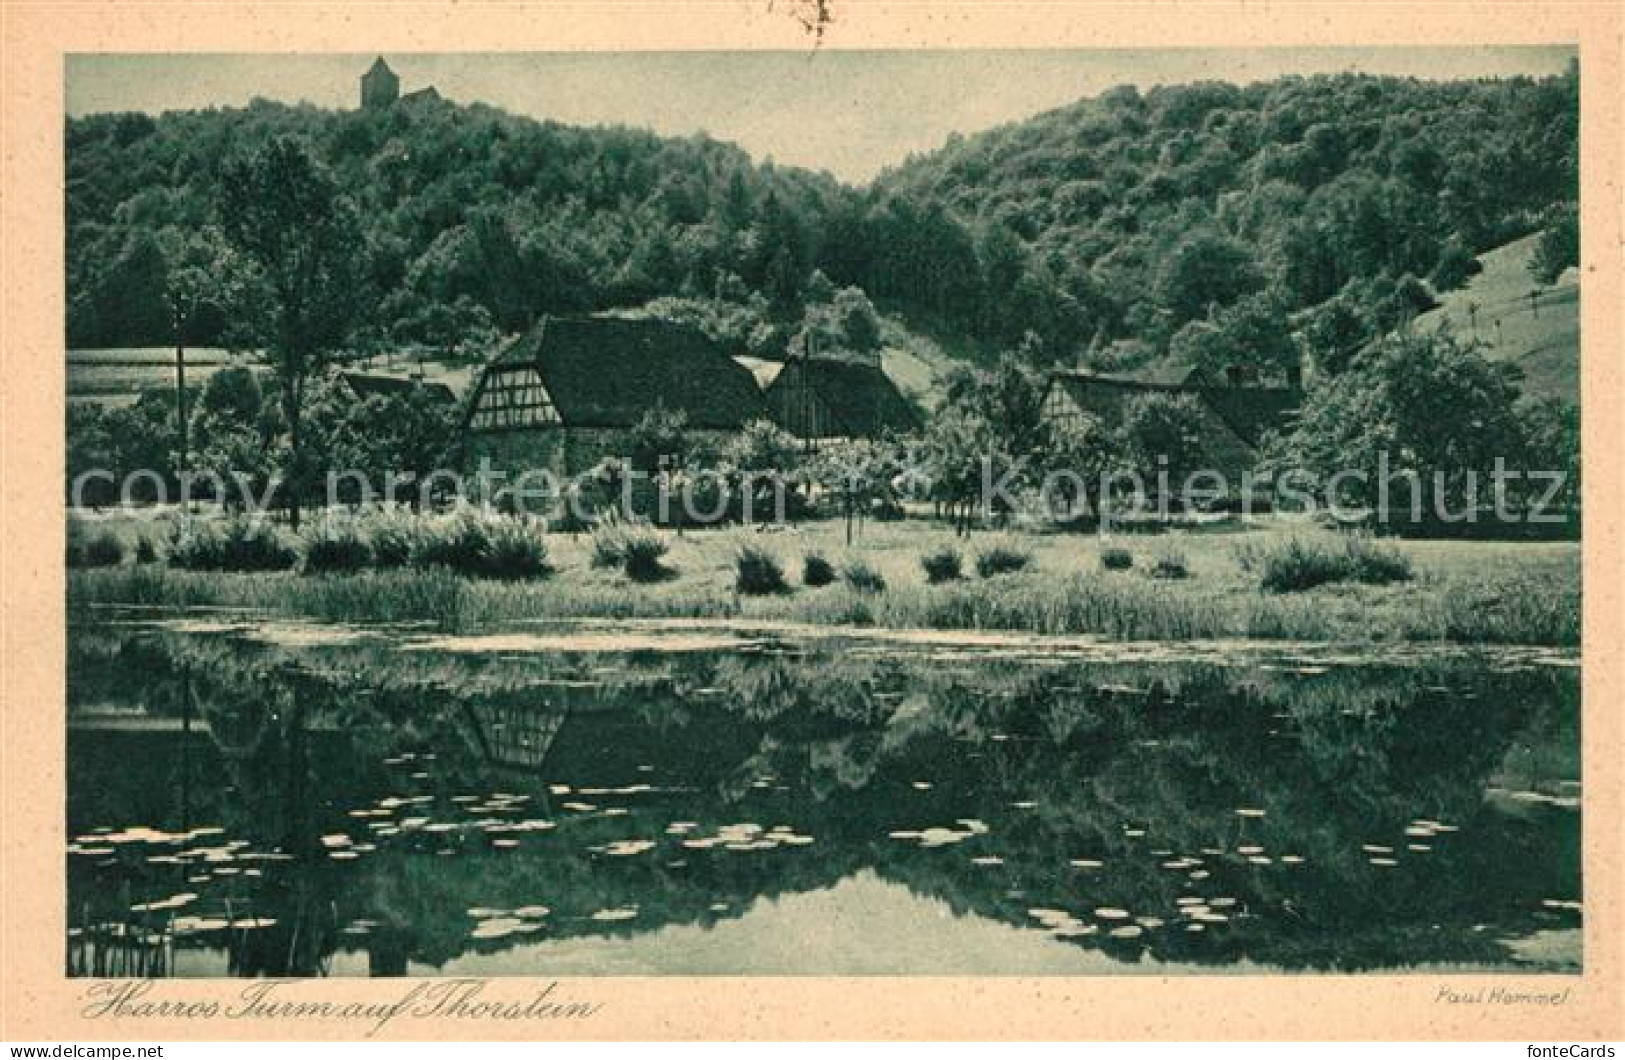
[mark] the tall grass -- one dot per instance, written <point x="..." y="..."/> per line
<point x="1519" y="610"/>
<point x="1079" y="604"/>
<point x="1298" y="564"/>
<point x="1489" y="609"/>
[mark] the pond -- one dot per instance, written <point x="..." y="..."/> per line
<point x="249" y="797"/>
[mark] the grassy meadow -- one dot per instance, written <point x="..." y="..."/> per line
<point x="1184" y="585"/>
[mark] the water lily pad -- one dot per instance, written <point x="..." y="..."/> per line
<point x="497" y="927"/>
<point x="173" y="902"/>
<point x="627" y="847"/>
<point x="622" y="913"/>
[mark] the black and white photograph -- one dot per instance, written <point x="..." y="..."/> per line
<point x="1064" y="512"/>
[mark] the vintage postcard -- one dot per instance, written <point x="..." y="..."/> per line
<point x="811" y="519"/>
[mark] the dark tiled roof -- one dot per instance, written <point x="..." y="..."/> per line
<point x="862" y="400"/>
<point x="1246" y="412"/>
<point x="1250" y="411"/>
<point x="365" y="386"/>
<point x="608" y="373"/>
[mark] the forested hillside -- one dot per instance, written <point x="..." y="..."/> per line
<point x="473" y="219"/>
<point x="1130" y="215"/>
<point x="1198" y="219"/>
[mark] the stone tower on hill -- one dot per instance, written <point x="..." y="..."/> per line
<point x="379" y="86"/>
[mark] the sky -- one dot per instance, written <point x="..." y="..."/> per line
<point x="849" y="112"/>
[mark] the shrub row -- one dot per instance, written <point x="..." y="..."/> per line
<point x="466" y="542"/>
<point x="240" y="543"/>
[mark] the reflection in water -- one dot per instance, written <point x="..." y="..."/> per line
<point x="374" y="807"/>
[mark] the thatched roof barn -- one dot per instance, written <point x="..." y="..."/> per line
<point x="827" y="398"/>
<point x="565" y="394"/>
<point x="606" y="374"/>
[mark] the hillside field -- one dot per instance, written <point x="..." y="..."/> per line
<point x="1542" y="338"/>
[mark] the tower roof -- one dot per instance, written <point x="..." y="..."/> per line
<point x="378" y="65"/>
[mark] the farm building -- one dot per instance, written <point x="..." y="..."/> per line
<point x="365" y="385"/>
<point x="566" y="394"/>
<point x="823" y="399"/>
<point x="1235" y="418"/>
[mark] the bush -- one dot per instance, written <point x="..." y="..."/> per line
<point x="457" y="542"/>
<point x="392" y="536"/>
<point x="335" y="548"/>
<point x="1298" y="565"/>
<point x="242" y="543"/>
<point x="1170" y="564"/>
<point x="1002" y="559"/>
<point x="608" y="545"/>
<point x="517" y="549"/>
<point x="1376" y="564"/>
<point x="943" y="565"/>
<point x="816" y="570"/>
<point x="641" y="552"/>
<point x="759" y="572"/>
<point x="145" y="550"/>
<point x="862" y="577"/>
<point x="1115" y="557"/>
<point x="482" y="545"/>
<point x="103" y="549"/>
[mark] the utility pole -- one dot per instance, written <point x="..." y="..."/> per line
<point x="180" y="395"/>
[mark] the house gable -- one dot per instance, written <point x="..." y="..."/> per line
<point x="829" y="398"/>
<point x="513" y="398"/>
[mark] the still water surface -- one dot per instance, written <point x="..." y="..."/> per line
<point x="254" y="798"/>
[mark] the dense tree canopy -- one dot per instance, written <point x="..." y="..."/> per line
<point x="1127" y="216"/>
